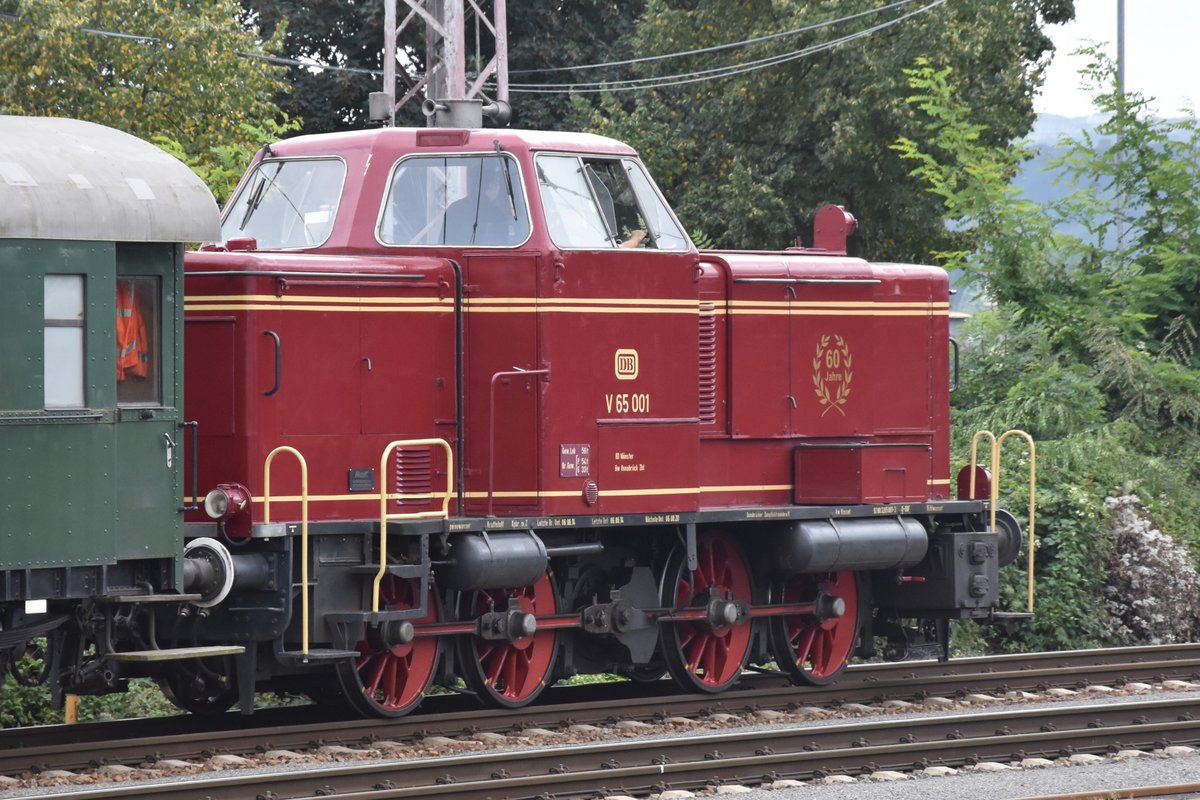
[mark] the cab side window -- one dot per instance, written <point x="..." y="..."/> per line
<point x="601" y="203"/>
<point x="571" y="210"/>
<point x="661" y="226"/>
<point x="619" y="209"/>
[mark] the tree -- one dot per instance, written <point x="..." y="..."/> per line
<point x="749" y="157"/>
<point x="1124" y="307"/>
<point x="184" y="72"/>
<point x="547" y="35"/>
<point x="1091" y="348"/>
<point x="344" y="35"/>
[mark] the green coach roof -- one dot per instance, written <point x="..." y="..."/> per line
<point x="69" y="179"/>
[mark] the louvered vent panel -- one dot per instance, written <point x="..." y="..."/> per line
<point x="414" y="475"/>
<point x="708" y="363"/>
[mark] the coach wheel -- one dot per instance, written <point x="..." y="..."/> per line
<point x="707" y="654"/>
<point x="30" y="665"/>
<point x="206" y="687"/>
<point x="509" y="671"/>
<point x="390" y="681"/>
<point x="814" y="648"/>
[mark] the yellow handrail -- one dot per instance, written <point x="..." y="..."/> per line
<point x="995" y="462"/>
<point x="997" y="443"/>
<point x="383" y="498"/>
<point x="303" y="528"/>
<point x="1032" y="497"/>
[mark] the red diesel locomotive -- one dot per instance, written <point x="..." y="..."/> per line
<point x="472" y="406"/>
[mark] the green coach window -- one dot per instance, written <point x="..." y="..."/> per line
<point x="63" y="354"/>
<point x="139" y="353"/>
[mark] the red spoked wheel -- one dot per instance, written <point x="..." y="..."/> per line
<point x="814" y="648"/>
<point x="391" y="681"/>
<point x="707" y="654"/>
<point x="509" y="672"/>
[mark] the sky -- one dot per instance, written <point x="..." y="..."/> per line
<point x="1162" y="54"/>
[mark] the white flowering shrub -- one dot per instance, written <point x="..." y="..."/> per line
<point x="1153" y="589"/>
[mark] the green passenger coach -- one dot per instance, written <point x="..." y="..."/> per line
<point x="92" y="226"/>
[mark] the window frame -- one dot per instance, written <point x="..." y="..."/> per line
<point x="156" y="337"/>
<point x="248" y="181"/>
<point x="624" y="162"/>
<point x="81" y="325"/>
<point x="518" y="181"/>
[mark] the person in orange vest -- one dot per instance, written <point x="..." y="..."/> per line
<point x="133" y="343"/>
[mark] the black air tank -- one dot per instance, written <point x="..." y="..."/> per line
<point x="823" y="545"/>
<point x="493" y="561"/>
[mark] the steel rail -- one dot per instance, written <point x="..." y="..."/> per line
<point x="81" y="747"/>
<point x="692" y="761"/>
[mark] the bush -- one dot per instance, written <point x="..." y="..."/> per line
<point x="30" y="705"/>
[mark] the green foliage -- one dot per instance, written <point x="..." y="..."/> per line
<point x="1144" y="248"/>
<point x="26" y="705"/>
<point x="701" y="239"/>
<point x="1013" y="377"/>
<point x="751" y="157"/>
<point x="181" y="77"/>
<point x="584" y="679"/>
<point x="30" y="705"/>
<point x="143" y="699"/>
<point x="224" y="164"/>
<point x="1091" y="347"/>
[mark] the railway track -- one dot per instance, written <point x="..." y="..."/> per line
<point x="625" y="708"/>
<point x="640" y="767"/>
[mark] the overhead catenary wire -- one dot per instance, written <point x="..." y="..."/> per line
<point x="719" y="47"/>
<point x="633" y="84"/>
<point x="713" y="73"/>
<point x="295" y="62"/>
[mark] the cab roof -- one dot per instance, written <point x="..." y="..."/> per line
<point x="417" y="140"/>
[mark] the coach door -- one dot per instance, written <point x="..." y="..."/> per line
<point x="149" y="448"/>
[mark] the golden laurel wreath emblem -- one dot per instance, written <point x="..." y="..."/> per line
<point x="832" y="373"/>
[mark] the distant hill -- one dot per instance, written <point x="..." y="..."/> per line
<point x="1040" y="183"/>
<point x="1036" y="179"/>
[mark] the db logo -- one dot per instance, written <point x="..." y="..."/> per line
<point x="626" y="365"/>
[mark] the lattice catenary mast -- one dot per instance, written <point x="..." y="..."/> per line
<point x="448" y="99"/>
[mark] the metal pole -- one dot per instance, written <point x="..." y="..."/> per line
<point x="1121" y="47"/>
<point x="500" y="18"/>
<point x="389" y="58"/>
<point x="1121" y="92"/>
<point x="455" y="46"/>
